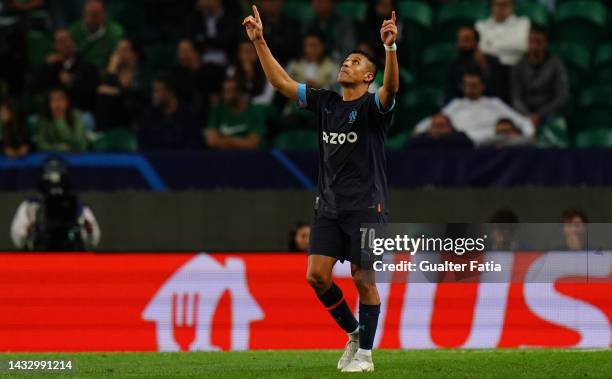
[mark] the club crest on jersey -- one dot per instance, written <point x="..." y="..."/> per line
<point x="352" y="116"/>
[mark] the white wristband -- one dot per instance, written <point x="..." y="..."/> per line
<point x="390" y="48"/>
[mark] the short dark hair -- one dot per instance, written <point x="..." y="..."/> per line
<point x="509" y="121"/>
<point x="473" y="30"/>
<point x="538" y="29"/>
<point x="369" y="58"/>
<point x="474" y="71"/>
<point x="570" y="213"/>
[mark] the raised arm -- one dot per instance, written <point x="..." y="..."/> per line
<point x="275" y="73"/>
<point x="388" y="34"/>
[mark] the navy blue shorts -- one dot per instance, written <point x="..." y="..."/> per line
<point x="339" y="235"/>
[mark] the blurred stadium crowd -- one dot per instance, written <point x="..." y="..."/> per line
<point x="118" y="75"/>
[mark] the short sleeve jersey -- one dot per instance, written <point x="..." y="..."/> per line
<point x="352" y="161"/>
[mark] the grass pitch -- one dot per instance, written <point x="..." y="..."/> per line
<point x="321" y="364"/>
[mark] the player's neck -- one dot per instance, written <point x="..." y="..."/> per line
<point x="350" y="93"/>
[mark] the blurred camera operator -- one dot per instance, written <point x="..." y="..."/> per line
<point x="55" y="219"/>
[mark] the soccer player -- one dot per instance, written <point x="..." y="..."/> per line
<point x="352" y="186"/>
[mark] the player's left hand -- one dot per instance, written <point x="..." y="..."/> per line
<point x="388" y="31"/>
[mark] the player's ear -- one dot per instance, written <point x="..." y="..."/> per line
<point x="368" y="77"/>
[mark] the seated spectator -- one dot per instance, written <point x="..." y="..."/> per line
<point x="574" y="229"/>
<point x="314" y="68"/>
<point x="249" y="73"/>
<point x="440" y="134"/>
<point x="477" y="115"/>
<point x="169" y="124"/>
<point x="60" y="128"/>
<point x="338" y="31"/>
<point x="120" y="96"/>
<point x="503" y="231"/>
<point x="281" y="33"/>
<point x="507" y="134"/>
<point x="63" y="67"/>
<point x="214" y="31"/>
<point x="95" y="36"/>
<point x="504" y="34"/>
<point x="235" y="123"/>
<point x="13" y="136"/>
<point x="470" y="58"/>
<point x="299" y="237"/>
<point x="369" y="30"/>
<point x="540" y="87"/>
<point x="195" y="81"/>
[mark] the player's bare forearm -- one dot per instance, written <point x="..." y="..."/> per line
<point x="275" y="73"/>
<point x="391" y="77"/>
<point x="273" y="70"/>
<point x="388" y="34"/>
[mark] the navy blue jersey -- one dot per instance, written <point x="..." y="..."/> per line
<point x="352" y="162"/>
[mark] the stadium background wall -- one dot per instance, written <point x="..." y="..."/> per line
<point x="260" y="220"/>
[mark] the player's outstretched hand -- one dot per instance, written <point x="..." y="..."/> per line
<point x="388" y="31"/>
<point x="253" y="25"/>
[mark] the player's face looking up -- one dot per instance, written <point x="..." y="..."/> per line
<point x="356" y="70"/>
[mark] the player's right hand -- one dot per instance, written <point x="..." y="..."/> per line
<point x="253" y="25"/>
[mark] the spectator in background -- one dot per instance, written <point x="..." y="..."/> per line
<point x="504" y="34"/>
<point x="440" y="135"/>
<point x="13" y="136"/>
<point x="504" y="225"/>
<point x="60" y="129"/>
<point x="574" y="229"/>
<point x="64" y="68"/>
<point x="214" y="31"/>
<point x="377" y="12"/>
<point x="195" y="81"/>
<point x="477" y="115"/>
<point x="470" y="58"/>
<point x="281" y="33"/>
<point x="338" y="31"/>
<point x="235" y="123"/>
<point x="249" y="73"/>
<point x="539" y="81"/>
<point x="169" y="124"/>
<point x="120" y="96"/>
<point x="314" y="68"/>
<point x="299" y="237"/>
<point x="507" y="134"/>
<point x="95" y="35"/>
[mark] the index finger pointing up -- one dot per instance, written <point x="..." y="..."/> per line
<point x="255" y="12"/>
<point x="393" y="16"/>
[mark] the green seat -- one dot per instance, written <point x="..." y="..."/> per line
<point x="454" y="15"/>
<point x="130" y="14"/>
<point x="161" y="56"/>
<point x="580" y="21"/>
<point x="553" y="134"/>
<point x="416" y="104"/>
<point x="436" y="59"/>
<point x="39" y="46"/>
<point x="417" y="18"/>
<point x="116" y="139"/>
<point x="355" y="10"/>
<point x="577" y="60"/>
<point x="297" y="139"/>
<point x="594" y="137"/>
<point x="537" y="12"/>
<point x="595" y="107"/>
<point x="417" y="13"/>
<point x="603" y="64"/>
<point x="298" y="10"/>
<point x="397" y="142"/>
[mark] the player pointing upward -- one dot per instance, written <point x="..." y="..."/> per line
<point x="352" y="187"/>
